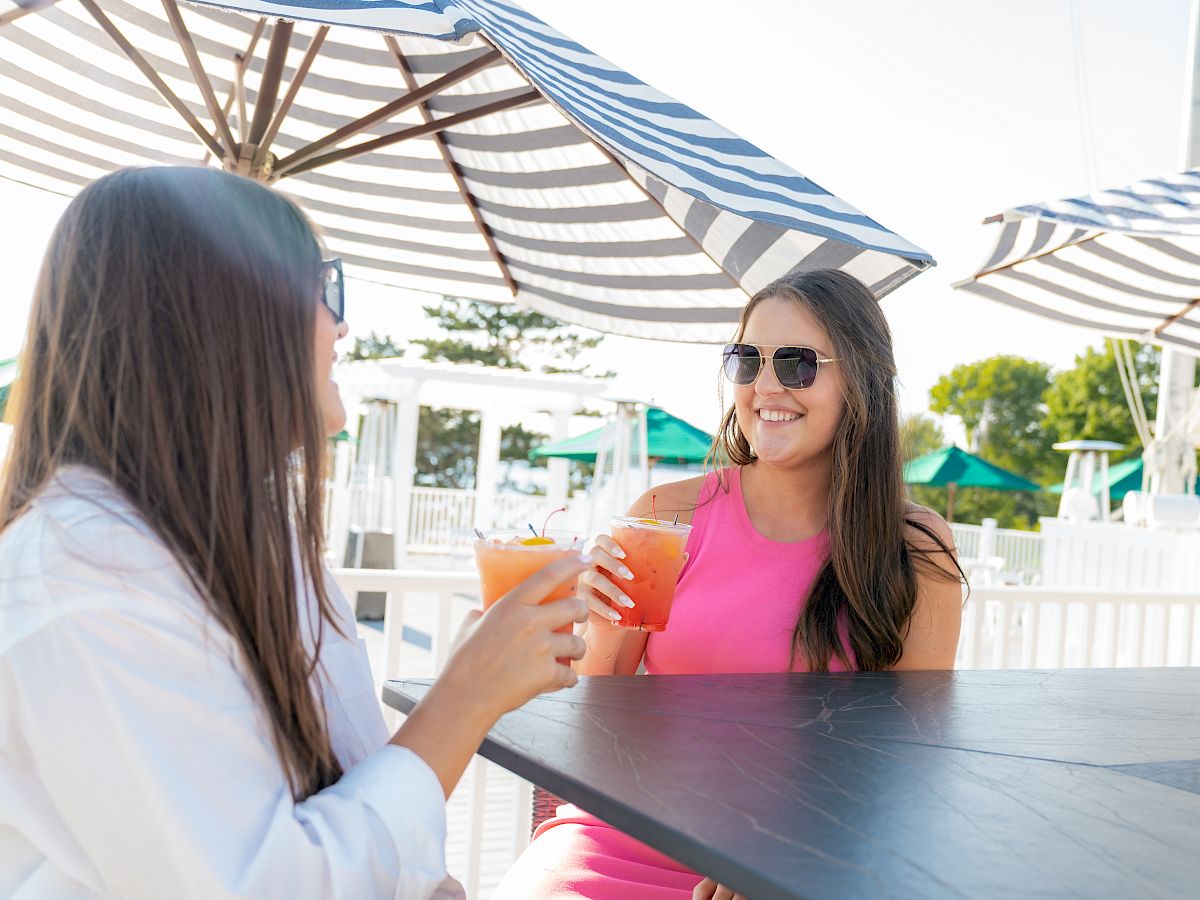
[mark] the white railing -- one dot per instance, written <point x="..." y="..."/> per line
<point x="433" y="603"/>
<point x="440" y="518"/>
<point x="1041" y="627"/>
<point x="1005" y="555"/>
<point x="1003" y="628"/>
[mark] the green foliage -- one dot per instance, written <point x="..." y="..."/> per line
<point x="1014" y="410"/>
<point x="375" y="347"/>
<point x="1000" y="403"/>
<point x="1088" y="402"/>
<point x="447" y="441"/>
<point x="920" y="435"/>
<point x="504" y="336"/>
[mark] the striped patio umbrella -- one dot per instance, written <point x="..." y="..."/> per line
<point x="461" y="147"/>
<point x="1124" y="262"/>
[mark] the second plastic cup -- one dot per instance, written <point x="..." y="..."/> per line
<point x="654" y="553"/>
<point x="506" y="558"/>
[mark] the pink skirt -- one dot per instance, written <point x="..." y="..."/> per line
<point x="576" y="855"/>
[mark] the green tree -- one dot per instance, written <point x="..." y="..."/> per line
<point x="504" y="336"/>
<point x="1088" y="402"/>
<point x="1000" y="403"/>
<point x="920" y="435"/>
<point x="375" y="346"/>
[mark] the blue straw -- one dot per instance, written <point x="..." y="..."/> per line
<point x="531" y="528"/>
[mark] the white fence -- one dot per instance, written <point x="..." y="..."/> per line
<point x="1084" y="628"/>
<point x="1003" y="628"/>
<point x="490" y="813"/>
<point x="440" y="519"/>
<point x="999" y="555"/>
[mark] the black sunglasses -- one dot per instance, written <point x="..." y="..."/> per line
<point x="795" y="367"/>
<point x="334" y="293"/>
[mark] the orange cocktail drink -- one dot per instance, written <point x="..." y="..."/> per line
<point x="506" y="558"/>
<point x="654" y="553"/>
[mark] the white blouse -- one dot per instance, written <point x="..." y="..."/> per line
<point x="135" y="760"/>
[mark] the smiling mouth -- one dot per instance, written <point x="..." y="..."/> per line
<point x="774" y="415"/>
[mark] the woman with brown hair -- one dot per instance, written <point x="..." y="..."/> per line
<point x="804" y="553"/>
<point x="184" y="708"/>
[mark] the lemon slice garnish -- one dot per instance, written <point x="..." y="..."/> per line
<point x="536" y="541"/>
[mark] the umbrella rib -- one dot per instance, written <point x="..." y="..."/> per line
<point x="1175" y="318"/>
<point x="314" y="47"/>
<point x="13" y="14"/>
<point x="453" y="168"/>
<point x="237" y="90"/>
<point x="409" y="100"/>
<point x="415" y="131"/>
<point x="268" y="87"/>
<point x="184" y="37"/>
<point x="153" y="77"/>
<point x="1024" y="259"/>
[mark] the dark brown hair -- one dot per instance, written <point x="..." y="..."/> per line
<point x="870" y="579"/>
<point x="170" y="348"/>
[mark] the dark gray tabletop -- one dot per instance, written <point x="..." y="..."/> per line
<point x="1073" y="783"/>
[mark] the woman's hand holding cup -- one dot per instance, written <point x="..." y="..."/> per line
<point x="605" y="598"/>
<point x="509" y="654"/>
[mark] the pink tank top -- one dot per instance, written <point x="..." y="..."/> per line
<point x="739" y="594"/>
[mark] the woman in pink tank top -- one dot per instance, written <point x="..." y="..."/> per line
<point x="804" y="555"/>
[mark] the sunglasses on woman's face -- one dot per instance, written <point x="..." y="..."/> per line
<point x="795" y="367"/>
<point x="333" y="293"/>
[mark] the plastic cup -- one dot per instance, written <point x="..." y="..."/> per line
<point x="654" y="553"/>
<point x="504" y="561"/>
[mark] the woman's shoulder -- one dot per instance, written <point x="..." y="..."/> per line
<point x="668" y="500"/>
<point x="921" y="522"/>
<point x="82" y="546"/>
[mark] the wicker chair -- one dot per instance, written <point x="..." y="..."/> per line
<point x="544" y="805"/>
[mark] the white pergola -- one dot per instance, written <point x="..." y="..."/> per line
<point x="498" y="395"/>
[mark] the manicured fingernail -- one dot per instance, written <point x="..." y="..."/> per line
<point x="586" y="557"/>
<point x="614" y="615"/>
<point x="626" y="574"/>
<point x="618" y="553"/>
<point x="627" y="601"/>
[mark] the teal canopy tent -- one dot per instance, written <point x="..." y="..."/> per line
<point x="953" y="468"/>
<point x="669" y="439"/>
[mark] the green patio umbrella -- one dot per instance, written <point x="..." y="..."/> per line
<point x="668" y="439"/>
<point x="1123" y="477"/>
<point x="953" y="468"/>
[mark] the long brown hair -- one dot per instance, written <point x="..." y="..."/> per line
<point x="870" y="579"/>
<point x="170" y="348"/>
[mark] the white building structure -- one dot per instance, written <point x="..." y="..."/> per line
<point x="374" y="489"/>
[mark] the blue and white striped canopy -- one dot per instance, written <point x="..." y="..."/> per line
<point x="532" y="168"/>
<point x="1124" y="262"/>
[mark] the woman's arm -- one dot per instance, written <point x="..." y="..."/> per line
<point x="931" y="641"/>
<point x="141" y="741"/>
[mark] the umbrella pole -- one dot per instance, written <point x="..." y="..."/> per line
<point x="950" y="501"/>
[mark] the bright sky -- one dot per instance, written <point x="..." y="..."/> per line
<point x="926" y="114"/>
